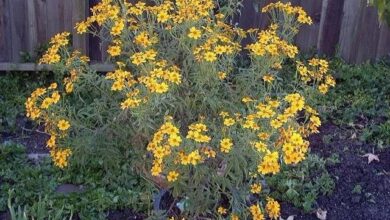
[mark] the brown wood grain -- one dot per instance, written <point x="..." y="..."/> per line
<point x="383" y="48"/>
<point x="41" y="21"/>
<point x="5" y="32"/>
<point x="307" y="37"/>
<point x="330" y="25"/>
<point x="54" y="24"/>
<point x="18" y="32"/>
<point x="79" y="13"/>
<point x="352" y="12"/>
<point x="368" y="36"/>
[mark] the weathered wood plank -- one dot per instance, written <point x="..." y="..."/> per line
<point x="5" y="30"/>
<point x="36" y="67"/>
<point x="368" y="36"/>
<point x="32" y="27"/>
<point x="18" y="28"/>
<point x="54" y="24"/>
<point x="79" y="13"/>
<point x="330" y="25"/>
<point x="383" y="48"/>
<point x="352" y="11"/>
<point x="307" y="37"/>
<point x="68" y="13"/>
<point x="41" y="21"/>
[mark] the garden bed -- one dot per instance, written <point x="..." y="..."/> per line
<point x="361" y="190"/>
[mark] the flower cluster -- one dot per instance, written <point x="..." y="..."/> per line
<point x="52" y="55"/>
<point x="290" y="10"/>
<point x="166" y="138"/>
<point x="269" y="43"/>
<point x="317" y="73"/>
<point x="38" y="106"/>
<point x="196" y="133"/>
<point x="215" y="45"/>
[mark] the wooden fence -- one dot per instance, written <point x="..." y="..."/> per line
<point x="346" y="27"/>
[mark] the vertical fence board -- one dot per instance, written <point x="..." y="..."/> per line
<point x="68" y="13"/>
<point x="18" y="28"/>
<point x="308" y="35"/>
<point x="32" y="28"/>
<point x="368" y="35"/>
<point x="79" y="13"/>
<point x="329" y="34"/>
<point x="349" y="28"/>
<point x="54" y="24"/>
<point x="383" y="48"/>
<point x="41" y="21"/>
<point x="5" y="30"/>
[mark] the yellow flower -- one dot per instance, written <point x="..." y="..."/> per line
<point x="55" y="97"/>
<point x="60" y="157"/>
<point x="174" y="140"/>
<point x="118" y="85"/>
<point x="209" y="152"/>
<point x="210" y="56"/>
<point x="221" y="210"/>
<point x="323" y="88"/>
<point x="163" y="17"/>
<point x="272" y="208"/>
<point x="268" y="78"/>
<point x="196" y="133"/>
<point x="255" y="188"/>
<point x="263" y="136"/>
<point x="142" y="39"/>
<point x="172" y="176"/>
<point x="247" y="99"/>
<point x="82" y="27"/>
<point x="118" y="27"/>
<point x="194" y="33"/>
<point x="234" y="217"/>
<point x="63" y="125"/>
<point x="221" y="75"/>
<point x="161" y="87"/>
<point x="256" y="212"/>
<point x="114" y="51"/>
<point x="226" y="145"/>
<point x="68" y="87"/>
<point x="53" y="86"/>
<point x="51" y="142"/>
<point x="46" y="103"/>
<point x="194" y="157"/>
<point x="229" y="122"/>
<point x="269" y="164"/>
<point x="315" y="120"/>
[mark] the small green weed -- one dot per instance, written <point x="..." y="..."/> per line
<point x="302" y="185"/>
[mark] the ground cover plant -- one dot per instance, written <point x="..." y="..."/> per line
<point x="179" y="110"/>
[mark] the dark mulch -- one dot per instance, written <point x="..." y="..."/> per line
<point x="28" y="135"/>
<point x="373" y="201"/>
<point x="124" y="215"/>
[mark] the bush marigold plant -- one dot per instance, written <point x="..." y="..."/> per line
<point x="181" y="107"/>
